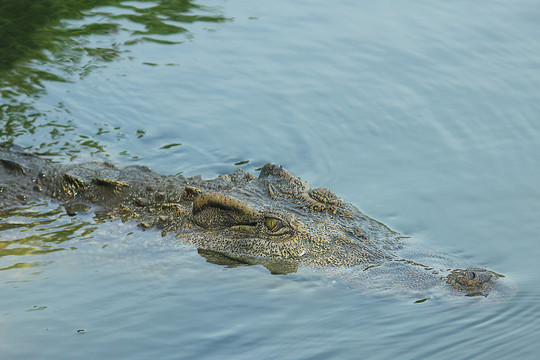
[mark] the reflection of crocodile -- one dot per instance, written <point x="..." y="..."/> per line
<point x="275" y="220"/>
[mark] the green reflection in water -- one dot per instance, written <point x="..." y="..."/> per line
<point x="37" y="229"/>
<point x="55" y="40"/>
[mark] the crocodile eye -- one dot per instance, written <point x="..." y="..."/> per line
<point x="272" y="224"/>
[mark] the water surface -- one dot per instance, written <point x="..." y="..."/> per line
<point x="424" y="115"/>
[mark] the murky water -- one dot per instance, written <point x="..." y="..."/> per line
<point x="424" y="115"/>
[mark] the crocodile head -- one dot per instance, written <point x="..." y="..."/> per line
<point x="278" y="221"/>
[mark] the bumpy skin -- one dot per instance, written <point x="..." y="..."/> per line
<point x="275" y="220"/>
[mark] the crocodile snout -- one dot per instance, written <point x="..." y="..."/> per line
<point x="473" y="280"/>
<point x="474" y="277"/>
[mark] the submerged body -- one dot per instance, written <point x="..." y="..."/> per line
<point x="275" y="220"/>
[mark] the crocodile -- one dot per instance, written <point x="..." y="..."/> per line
<point x="275" y="220"/>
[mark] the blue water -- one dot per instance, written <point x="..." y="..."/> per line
<point x="422" y="114"/>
